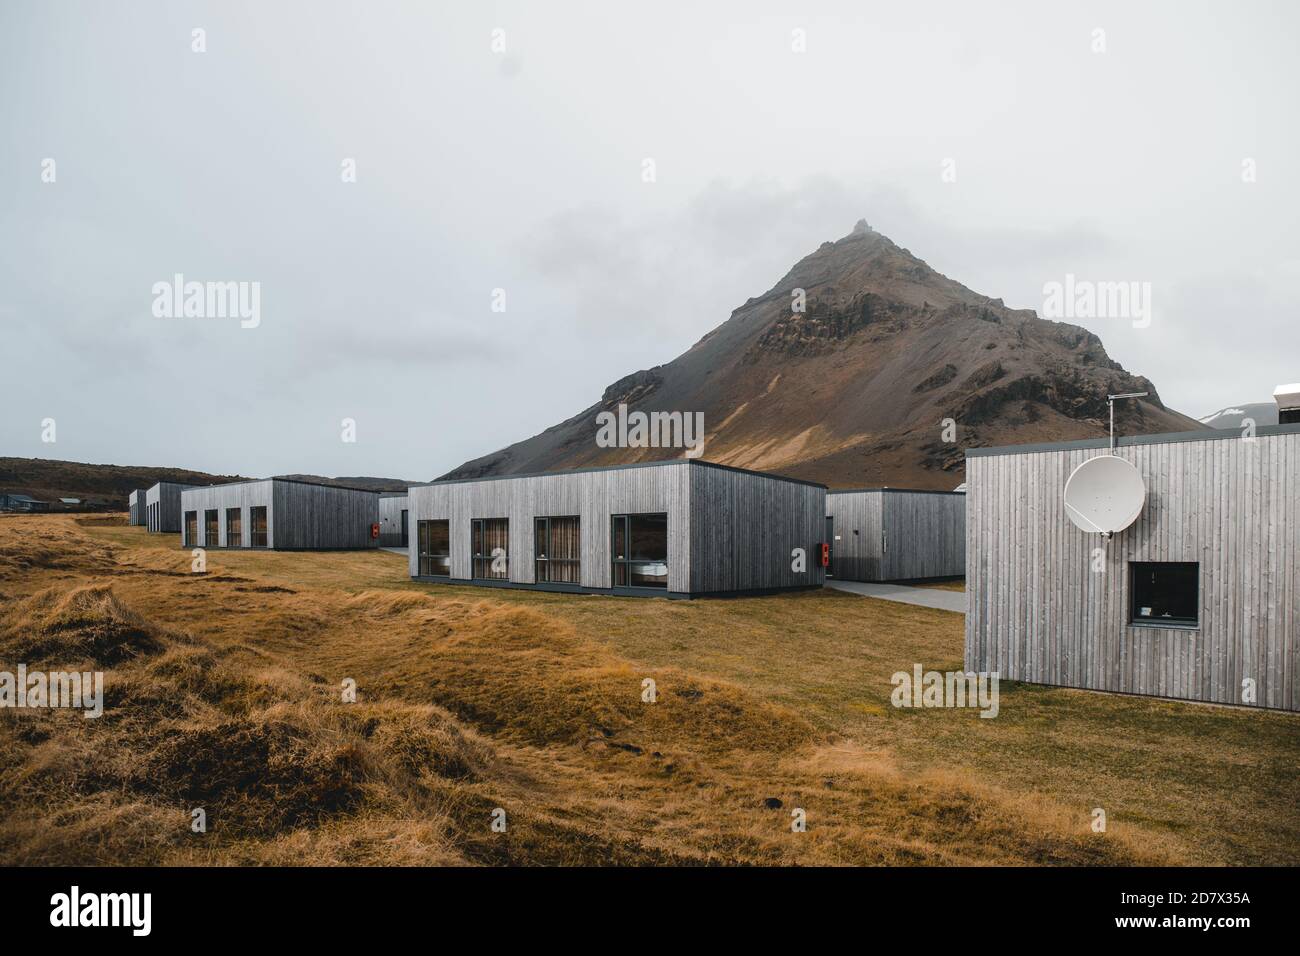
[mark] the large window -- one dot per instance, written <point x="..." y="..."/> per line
<point x="257" y="527"/>
<point x="234" y="537"/>
<point x="557" y="550"/>
<point x="490" y="546"/>
<point x="191" y="529"/>
<point x="640" y="550"/>
<point x="1165" y="593"/>
<point x="434" y="541"/>
<point x="211" y="531"/>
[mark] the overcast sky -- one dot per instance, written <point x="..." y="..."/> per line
<point x="522" y="169"/>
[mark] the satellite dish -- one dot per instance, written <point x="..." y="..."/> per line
<point x="1104" y="495"/>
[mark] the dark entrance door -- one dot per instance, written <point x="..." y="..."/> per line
<point x="406" y="541"/>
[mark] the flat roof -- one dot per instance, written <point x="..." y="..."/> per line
<point x="1125" y="441"/>
<point x="909" y="491"/>
<point x="640" y="464"/>
<point x="288" y="481"/>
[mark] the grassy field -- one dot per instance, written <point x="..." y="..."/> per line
<point x="223" y="692"/>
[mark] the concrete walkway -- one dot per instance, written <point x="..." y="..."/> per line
<point x="925" y="597"/>
<point x="401" y="551"/>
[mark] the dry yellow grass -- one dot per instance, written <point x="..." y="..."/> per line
<point x="223" y="691"/>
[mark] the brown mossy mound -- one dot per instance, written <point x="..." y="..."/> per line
<point x="85" y="624"/>
<point x="257" y="777"/>
<point x="519" y="670"/>
<point x="423" y="740"/>
<point x="262" y="750"/>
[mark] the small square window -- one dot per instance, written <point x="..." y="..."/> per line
<point x="1165" y="593"/>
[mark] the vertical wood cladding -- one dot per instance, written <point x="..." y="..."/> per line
<point x="745" y="527"/>
<point x="299" y="516"/>
<point x="712" y="521"/>
<point x="136" y="506"/>
<point x="163" y="507"/>
<point x="1038" y="612"/>
<point x="890" y="534"/>
<point x="390" y="520"/>
<point x="857" y="552"/>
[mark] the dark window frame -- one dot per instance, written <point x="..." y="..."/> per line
<point x="212" y="527"/>
<point x="239" y="528"/>
<point x="425" y="558"/>
<point x="626" y="562"/>
<point x="190" y="528"/>
<point x="253" y="533"/>
<point x="1140" y="591"/>
<point x="477" y="529"/>
<point x="543" y="548"/>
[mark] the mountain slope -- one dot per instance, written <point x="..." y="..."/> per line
<point x="853" y="391"/>
<point x="1261" y="413"/>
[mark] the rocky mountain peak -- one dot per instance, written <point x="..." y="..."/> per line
<point x="851" y="390"/>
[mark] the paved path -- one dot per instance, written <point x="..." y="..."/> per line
<point x="925" y="597"/>
<point x="401" y="551"/>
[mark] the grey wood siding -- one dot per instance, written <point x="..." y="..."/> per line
<point x="390" y="520"/>
<point x="299" y="516"/>
<point x="591" y="495"/>
<point x="242" y="495"/>
<point x="136" y="506"/>
<point x="856" y="553"/>
<point x="745" y="526"/>
<point x="163" y="507"/>
<point x="900" y="535"/>
<point x="323" y="517"/>
<point x="742" y="526"/>
<point x="925" y="535"/>
<point x="1037" y="612"/>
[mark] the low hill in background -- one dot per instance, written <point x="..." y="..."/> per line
<point x="100" y="487"/>
<point x="369" y="484"/>
<point x="106" y="487"/>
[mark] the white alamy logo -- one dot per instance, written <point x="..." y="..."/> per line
<point x="653" y="430"/>
<point x="103" y="909"/>
<point x="209" y="300"/>
<point x="1085" y="299"/>
<point x="950" y="689"/>
<point x="58" y="689"/>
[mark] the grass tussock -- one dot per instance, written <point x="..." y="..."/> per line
<point x="70" y="627"/>
<point x="521" y="672"/>
<point x="263" y="752"/>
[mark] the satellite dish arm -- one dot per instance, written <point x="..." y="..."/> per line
<point x="1080" y="516"/>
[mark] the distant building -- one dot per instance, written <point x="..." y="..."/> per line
<point x="895" y="534"/>
<point x="1288" y="404"/>
<point x="10" y="502"/>
<point x="163" y="507"/>
<point x="394" y="530"/>
<point x="136" y="505"/>
<point x="280" y="514"/>
<point x="678" y="529"/>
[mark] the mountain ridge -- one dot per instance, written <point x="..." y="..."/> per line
<point x="857" y="388"/>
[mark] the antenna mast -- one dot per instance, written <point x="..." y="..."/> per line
<point x="1110" y="400"/>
